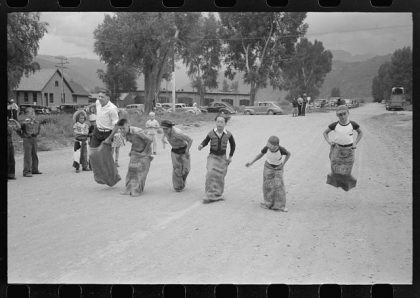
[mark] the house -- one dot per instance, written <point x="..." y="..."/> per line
<point x="47" y="87"/>
<point x="80" y="95"/>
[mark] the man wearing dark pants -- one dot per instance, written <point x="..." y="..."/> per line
<point x="29" y="131"/>
<point x="106" y="118"/>
<point x="304" y="103"/>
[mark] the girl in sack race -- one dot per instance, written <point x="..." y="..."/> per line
<point x="217" y="162"/>
<point x="81" y="133"/>
<point x="342" y="149"/>
<point x="273" y="185"/>
<point x="180" y="153"/>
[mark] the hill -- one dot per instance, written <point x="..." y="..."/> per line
<point x="353" y="74"/>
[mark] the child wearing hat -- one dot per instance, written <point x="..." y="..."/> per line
<point x="152" y="126"/>
<point x="273" y="185"/>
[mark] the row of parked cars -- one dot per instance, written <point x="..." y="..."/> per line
<point x="43" y="110"/>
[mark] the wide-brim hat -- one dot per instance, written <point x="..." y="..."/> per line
<point x="167" y="123"/>
<point x="76" y="115"/>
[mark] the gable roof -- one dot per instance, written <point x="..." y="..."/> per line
<point x="38" y="80"/>
<point x="78" y="89"/>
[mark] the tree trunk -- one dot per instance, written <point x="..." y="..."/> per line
<point x="150" y="88"/>
<point x="252" y="93"/>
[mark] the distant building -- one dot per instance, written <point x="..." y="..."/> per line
<point x="44" y="87"/>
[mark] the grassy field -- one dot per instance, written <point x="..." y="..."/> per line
<point x="57" y="130"/>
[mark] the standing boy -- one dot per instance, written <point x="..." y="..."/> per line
<point x="29" y="131"/>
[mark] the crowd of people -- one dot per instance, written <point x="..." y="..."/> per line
<point x="96" y="144"/>
<point x="299" y="105"/>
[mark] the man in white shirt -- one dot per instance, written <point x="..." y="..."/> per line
<point x="106" y="118"/>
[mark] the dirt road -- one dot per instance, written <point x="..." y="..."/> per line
<point x="65" y="228"/>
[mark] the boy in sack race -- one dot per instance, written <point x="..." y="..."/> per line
<point x="140" y="157"/>
<point x="273" y="185"/>
<point x="342" y="149"/>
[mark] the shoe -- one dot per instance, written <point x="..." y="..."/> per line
<point x="27" y="175"/>
<point x="284" y="209"/>
<point x="37" y="173"/>
<point x="116" y="164"/>
<point x="86" y="169"/>
<point x="77" y="171"/>
<point x="11" y="177"/>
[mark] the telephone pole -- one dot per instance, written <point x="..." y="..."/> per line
<point x="62" y="61"/>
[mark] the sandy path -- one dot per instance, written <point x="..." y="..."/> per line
<point x="63" y="227"/>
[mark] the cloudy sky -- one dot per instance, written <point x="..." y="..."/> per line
<point x="71" y="33"/>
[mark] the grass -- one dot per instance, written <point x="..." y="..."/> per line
<point x="57" y="130"/>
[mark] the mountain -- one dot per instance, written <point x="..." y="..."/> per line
<point x="353" y="78"/>
<point x="353" y="74"/>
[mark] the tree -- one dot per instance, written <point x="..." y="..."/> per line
<point x="202" y="56"/>
<point x="395" y="73"/>
<point x="148" y="41"/>
<point x="257" y="43"/>
<point x="225" y="86"/>
<point x="335" y="92"/>
<point x="306" y="70"/>
<point x="234" y="86"/>
<point x="118" y="78"/>
<point x="24" y="31"/>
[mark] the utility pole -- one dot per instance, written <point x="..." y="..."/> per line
<point x="63" y="60"/>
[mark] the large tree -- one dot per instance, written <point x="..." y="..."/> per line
<point x="147" y="41"/>
<point x="118" y="78"/>
<point x="306" y="70"/>
<point x="24" y="31"/>
<point x="394" y="73"/>
<point x="258" y="42"/>
<point x="202" y="56"/>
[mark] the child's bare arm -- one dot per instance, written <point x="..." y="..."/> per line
<point x="255" y="159"/>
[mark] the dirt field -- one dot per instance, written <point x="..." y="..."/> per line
<point x="65" y="228"/>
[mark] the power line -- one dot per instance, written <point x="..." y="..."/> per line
<point x="63" y="60"/>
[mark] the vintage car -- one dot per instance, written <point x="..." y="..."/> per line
<point x="263" y="108"/>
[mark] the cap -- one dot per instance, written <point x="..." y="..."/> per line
<point x="273" y="140"/>
<point x="167" y="123"/>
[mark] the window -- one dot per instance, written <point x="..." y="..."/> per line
<point x="74" y="98"/>
<point x="25" y="97"/>
<point x="56" y="83"/>
<point x="228" y="100"/>
<point x="51" y="97"/>
<point x="35" y="96"/>
<point x="208" y="101"/>
<point x="244" y="102"/>
<point x="64" y="97"/>
<point x="46" y="98"/>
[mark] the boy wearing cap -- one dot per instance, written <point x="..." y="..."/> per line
<point x="29" y="131"/>
<point x="342" y="149"/>
<point x="152" y="126"/>
<point x="273" y="185"/>
<point x="180" y="153"/>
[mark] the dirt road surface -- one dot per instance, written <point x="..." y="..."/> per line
<point x="65" y="228"/>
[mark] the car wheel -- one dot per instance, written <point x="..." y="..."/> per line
<point x="247" y="113"/>
<point x="270" y="112"/>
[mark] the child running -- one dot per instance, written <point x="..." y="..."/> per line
<point x="152" y="126"/>
<point x="117" y="142"/>
<point x="81" y="133"/>
<point x="273" y="185"/>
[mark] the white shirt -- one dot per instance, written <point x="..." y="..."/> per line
<point x="220" y="134"/>
<point x="343" y="134"/>
<point x="152" y="126"/>
<point x="274" y="158"/>
<point x="106" y="116"/>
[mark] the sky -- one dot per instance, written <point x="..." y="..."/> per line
<point x="71" y="33"/>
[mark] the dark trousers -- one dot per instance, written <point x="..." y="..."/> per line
<point x="98" y="137"/>
<point x="299" y="110"/>
<point x="30" y="157"/>
<point x="83" y="154"/>
<point x="10" y="159"/>
<point x="12" y="114"/>
<point x="303" y="109"/>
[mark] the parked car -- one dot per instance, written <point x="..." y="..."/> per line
<point x="397" y="99"/>
<point x="218" y="107"/>
<point x="192" y="110"/>
<point x="263" y="108"/>
<point x="139" y="107"/>
<point x="40" y="110"/>
<point x="69" y="108"/>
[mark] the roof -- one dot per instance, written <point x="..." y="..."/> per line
<point x="38" y="80"/>
<point x="78" y="89"/>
